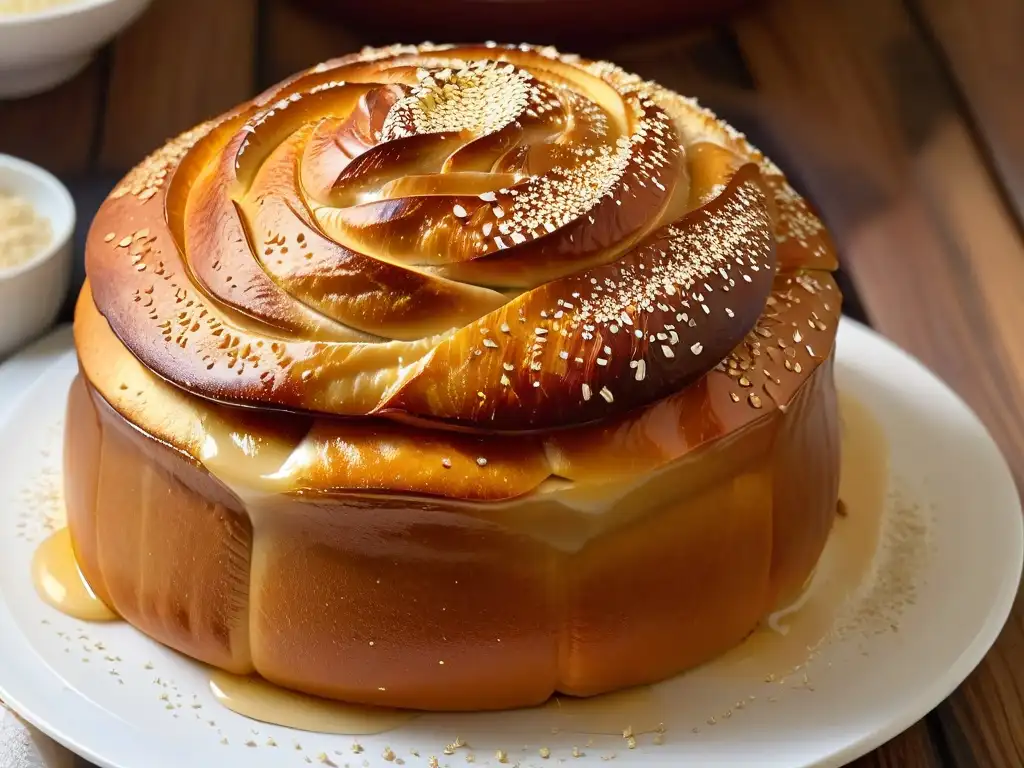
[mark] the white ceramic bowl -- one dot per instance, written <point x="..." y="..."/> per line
<point x="32" y="293"/>
<point x="41" y="50"/>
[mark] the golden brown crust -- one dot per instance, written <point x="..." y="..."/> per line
<point x="360" y="597"/>
<point x="760" y="376"/>
<point x="539" y="387"/>
<point x="636" y="330"/>
<point x="342" y="244"/>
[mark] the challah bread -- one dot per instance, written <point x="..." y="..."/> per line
<point x="450" y="377"/>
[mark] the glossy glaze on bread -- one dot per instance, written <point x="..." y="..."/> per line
<point x="491" y="239"/>
<point x="488" y="356"/>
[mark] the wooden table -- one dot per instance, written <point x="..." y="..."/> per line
<point x="902" y="119"/>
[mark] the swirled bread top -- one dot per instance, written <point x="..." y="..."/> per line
<point x="486" y="238"/>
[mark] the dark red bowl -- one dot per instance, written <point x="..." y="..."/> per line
<point x="535" y="21"/>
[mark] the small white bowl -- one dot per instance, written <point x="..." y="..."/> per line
<point x="32" y="293"/>
<point x="41" y="50"/>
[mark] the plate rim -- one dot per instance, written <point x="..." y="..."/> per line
<point x="21" y="371"/>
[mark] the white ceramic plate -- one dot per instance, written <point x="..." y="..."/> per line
<point x="939" y="590"/>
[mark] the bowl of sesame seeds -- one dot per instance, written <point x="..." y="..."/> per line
<point x="43" y="43"/>
<point x="37" y="218"/>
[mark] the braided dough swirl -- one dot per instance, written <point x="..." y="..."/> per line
<point x="488" y="238"/>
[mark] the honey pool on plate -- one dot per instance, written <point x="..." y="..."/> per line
<point x="781" y="646"/>
<point x="59" y="580"/>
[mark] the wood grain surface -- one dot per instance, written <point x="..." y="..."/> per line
<point x="57" y="129"/>
<point x="982" y="44"/>
<point x="902" y="119"/>
<point x="183" y="62"/>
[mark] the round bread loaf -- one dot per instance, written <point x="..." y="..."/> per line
<point x="452" y="377"/>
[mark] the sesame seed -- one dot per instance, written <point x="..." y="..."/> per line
<point x="666" y="350"/>
<point x="490" y="343"/>
<point x="607" y="394"/>
<point x="697" y="348"/>
<point x="755" y="401"/>
<point x="641" y="369"/>
<point x="480" y="462"/>
<point x="586" y="391"/>
<point x="459" y="211"/>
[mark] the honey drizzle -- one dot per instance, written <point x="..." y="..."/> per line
<point x="260" y="700"/>
<point x="59" y="581"/>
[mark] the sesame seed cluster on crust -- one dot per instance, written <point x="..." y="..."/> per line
<point x="481" y="238"/>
